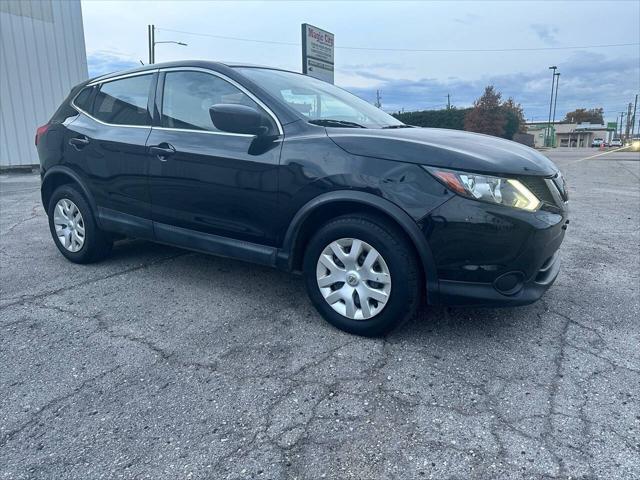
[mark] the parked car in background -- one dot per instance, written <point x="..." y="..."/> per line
<point x="598" y="142"/>
<point x="278" y="168"/>
<point x="616" y="142"/>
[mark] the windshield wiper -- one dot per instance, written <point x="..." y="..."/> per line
<point x="397" y="126"/>
<point x="328" y="122"/>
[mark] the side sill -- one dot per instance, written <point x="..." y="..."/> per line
<point x="215" y="244"/>
<point x="125" y="224"/>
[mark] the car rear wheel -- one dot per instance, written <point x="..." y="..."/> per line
<point x="74" y="229"/>
<point x="362" y="275"/>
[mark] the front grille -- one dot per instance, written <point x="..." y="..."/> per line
<point x="539" y="187"/>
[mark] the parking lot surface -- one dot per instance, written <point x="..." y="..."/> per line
<point x="163" y="363"/>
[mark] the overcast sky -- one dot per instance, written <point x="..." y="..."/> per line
<point x="116" y="39"/>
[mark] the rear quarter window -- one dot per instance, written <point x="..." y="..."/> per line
<point x="123" y="102"/>
<point x="66" y="110"/>
<point x="83" y="100"/>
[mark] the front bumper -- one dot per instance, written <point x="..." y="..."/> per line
<point x="487" y="295"/>
<point x="489" y="255"/>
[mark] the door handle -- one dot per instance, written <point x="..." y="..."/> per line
<point x="162" y="151"/>
<point x="79" y="142"/>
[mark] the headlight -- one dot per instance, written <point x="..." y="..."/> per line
<point x="485" y="188"/>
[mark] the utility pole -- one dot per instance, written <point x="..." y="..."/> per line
<point x="555" y="102"/>
<point x="553" y="80"/>
<point x="622" y="114"/>
<point x="628" y="126"/>
<point x="378" y="99"/>
<point x="448" y="101"/>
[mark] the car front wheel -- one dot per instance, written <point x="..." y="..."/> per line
<point x="362" y="275"/>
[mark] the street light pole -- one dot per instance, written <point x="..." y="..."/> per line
<point x="555" y="102"/>
<point x="553" y="79"/>
<point x="151" y="32"/>
<point x="633" y="122"/>
<point x="153" y="43"/>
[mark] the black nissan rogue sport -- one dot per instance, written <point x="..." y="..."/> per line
<point x="278" y="168"/>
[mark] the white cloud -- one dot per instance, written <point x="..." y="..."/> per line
<point x="101" y="62"/>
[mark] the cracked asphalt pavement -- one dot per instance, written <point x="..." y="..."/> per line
<point x="163" y="363"/>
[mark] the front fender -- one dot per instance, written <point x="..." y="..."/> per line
<point x="387" y="208"/>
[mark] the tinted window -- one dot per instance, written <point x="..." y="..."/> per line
<point x="83" y="99"/>
<point x="189" y="95"/>
<point x="124" y="102"/>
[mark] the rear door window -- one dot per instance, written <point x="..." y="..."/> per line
<point x="124" y="101"/>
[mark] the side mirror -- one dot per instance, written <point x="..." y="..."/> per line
<point x="235" y="118"/>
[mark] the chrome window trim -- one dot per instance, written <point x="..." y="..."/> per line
<point x="120" y="77"/>
<point x="235" y="84"/>
<point x="179" y="69"/>
<point x="100" y="82"/>
<point x="189" y="130"/>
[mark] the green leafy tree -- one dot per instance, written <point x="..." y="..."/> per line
<point x="487" y="116"/>
<point x="582" y="115"/>
<point x="514" y="118"/>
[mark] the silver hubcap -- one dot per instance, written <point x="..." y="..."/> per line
<point x="353" y="278"/>
<point x="69" y="225"/>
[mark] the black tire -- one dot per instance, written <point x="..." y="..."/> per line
<point x="400" y="256"/>
<point x="97" y="244"/>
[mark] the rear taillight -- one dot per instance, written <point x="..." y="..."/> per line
<point x="40" y="132"/>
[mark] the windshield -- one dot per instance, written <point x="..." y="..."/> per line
<point x="319" y="102"/>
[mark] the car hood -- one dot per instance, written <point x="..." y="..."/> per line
<point x="440" y="147"/>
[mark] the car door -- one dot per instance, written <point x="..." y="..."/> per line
<point x="206" y="183"/>
<point x="106" y="143"/>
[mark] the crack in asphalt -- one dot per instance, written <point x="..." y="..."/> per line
<point x="51" y="403"/>
<point x="12" y="301"/>
<point x="34" y="214"/>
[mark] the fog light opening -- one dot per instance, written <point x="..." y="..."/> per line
<point x="509" y="283"/>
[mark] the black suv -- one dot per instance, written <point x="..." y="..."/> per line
<point x="278" y="168"/>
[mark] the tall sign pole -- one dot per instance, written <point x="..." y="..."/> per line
<point x="317" y="53"/>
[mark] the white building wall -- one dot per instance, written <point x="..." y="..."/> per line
<point x="42" y="55"/>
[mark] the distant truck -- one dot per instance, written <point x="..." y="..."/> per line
<point x="597" y="142"/>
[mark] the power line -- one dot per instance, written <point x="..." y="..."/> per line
<point x="417" y="50"/>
